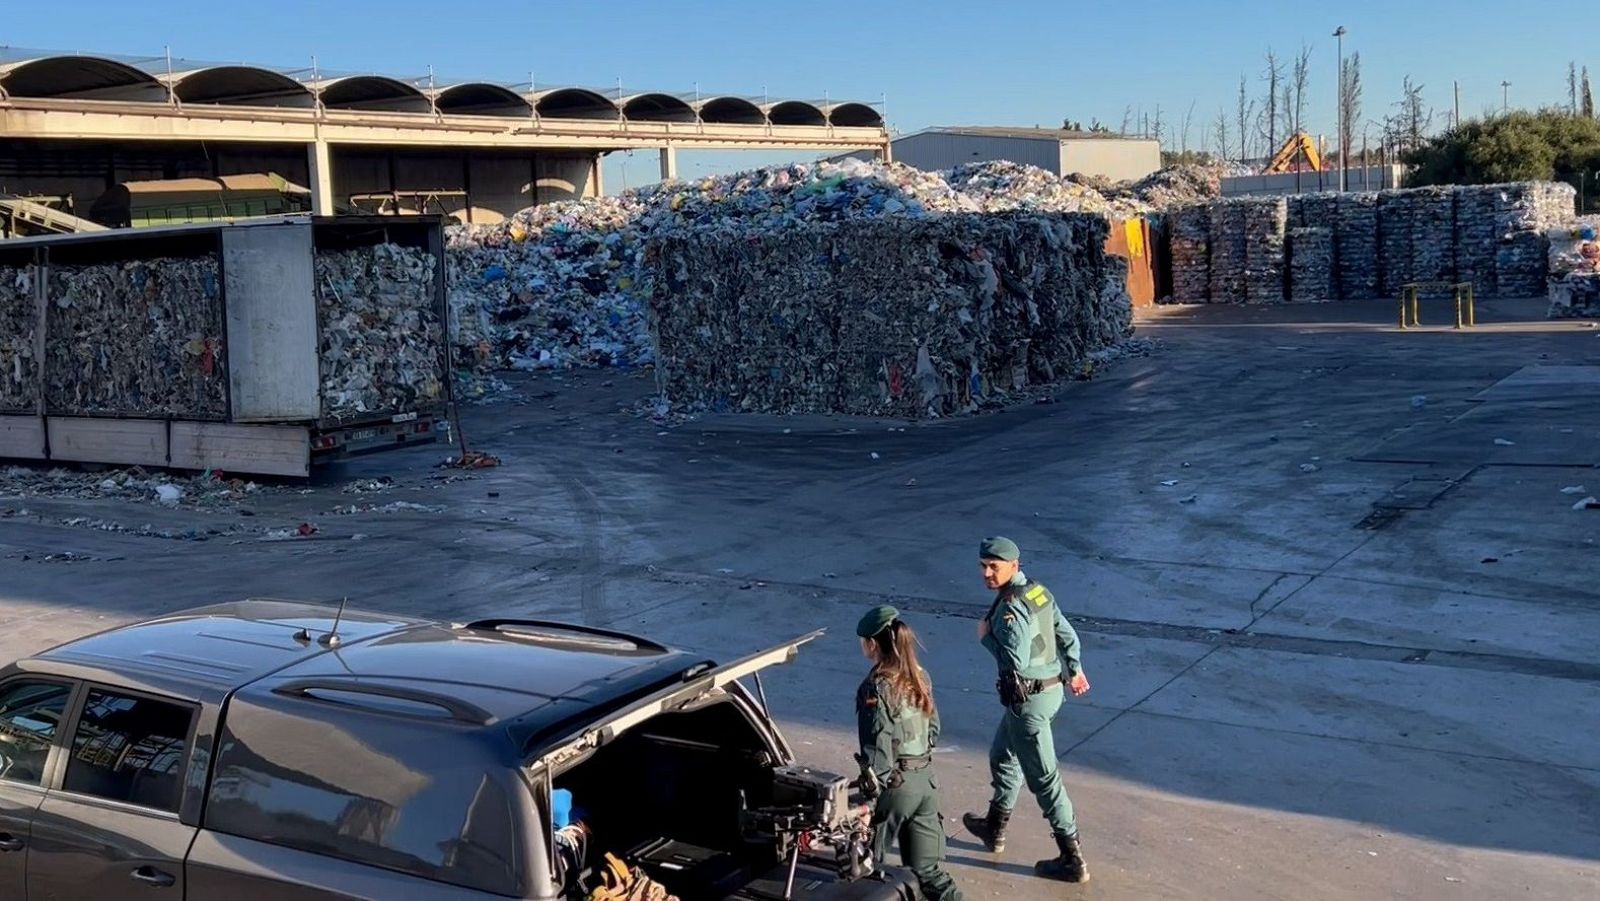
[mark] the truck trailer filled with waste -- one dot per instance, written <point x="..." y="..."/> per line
<point x="261" y="347"/>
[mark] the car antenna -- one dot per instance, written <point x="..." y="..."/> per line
<point x="332" y="639"/>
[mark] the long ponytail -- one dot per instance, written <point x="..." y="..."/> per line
<point x="897" y="664"/>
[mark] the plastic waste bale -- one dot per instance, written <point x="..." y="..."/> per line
<point x="19" y="326"/>
<point x="136" y="338"/>
<point x="381" y="333"/>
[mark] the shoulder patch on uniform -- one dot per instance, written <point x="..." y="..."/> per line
<point x="1037" y="595"/>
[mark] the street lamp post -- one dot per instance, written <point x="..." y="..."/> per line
<point x="1344" y="150"/>
<point x="1505" y="97"/>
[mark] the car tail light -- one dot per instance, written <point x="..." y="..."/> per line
<point x="325" y="442"/>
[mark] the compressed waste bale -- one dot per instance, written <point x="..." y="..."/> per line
<point x="1477" y="243"/>
<point x="19" y="327"/>
<point x="1226" y="283"/>
<point x="889" y="317"/>
<point x="1355" y="239"/>
<point x="1264" y="220"/>
<point x="1574" y="265"/>
<point x="1395" y="212"/>
<point x="137" y="338"/>
<point x="1523" y="211"/>
<point x="1190" y="230"/>
<point x="1432" y="224"/>
<point x="1311" y="267"/>
<point x="381" y="332"/>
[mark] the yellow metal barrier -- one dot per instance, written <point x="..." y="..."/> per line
<point x="1411" y="303"/>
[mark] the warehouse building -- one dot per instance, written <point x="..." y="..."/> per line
<point x="72" y="127"/>
<point x="1112" y="156"/>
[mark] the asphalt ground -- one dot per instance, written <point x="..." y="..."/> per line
<point x="1338" y="615"/>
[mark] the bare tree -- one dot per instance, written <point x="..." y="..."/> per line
<point x="1572" y="88"/>
<point x="1302" y="78"/>
<point x="1247" y="111"/>
<point x="1349" y="104"/>
<point x="1271" y="107"/>
<point x="1188" y="120"/>
<point x="1411" y="119"/>
<point x="1586" y="103"/>
<point x="1220" y="129"/>
<point x="1155" y="130"/>
<point x="1127" y="119"/>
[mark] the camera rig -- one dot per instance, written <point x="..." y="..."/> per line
<point x="812" y="815"/>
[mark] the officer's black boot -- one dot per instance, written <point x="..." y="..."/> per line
<point x="990" y="828"/>
<point x="1069" y="867"/>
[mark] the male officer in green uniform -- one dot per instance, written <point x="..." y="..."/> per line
<point x="1036" y="650"/>
<point x="898" y="726"/>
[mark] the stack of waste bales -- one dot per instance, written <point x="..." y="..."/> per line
<point x="891" y="317"/>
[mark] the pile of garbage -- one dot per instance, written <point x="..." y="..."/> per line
<point x="895" y="317"/>
<point x="380" y="331"/>
<point x="559" y="285"/>
<point x="19" y="325"/>
<point x="136" y="338"/>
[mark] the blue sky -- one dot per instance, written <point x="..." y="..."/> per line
<point x="938" y="62"/>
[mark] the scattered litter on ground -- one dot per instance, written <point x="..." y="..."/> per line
<point x="1574" y="489"/>
<point x="1418" y="401"/>
<point x="1501" y="442"/>
<point x="1169" y="483"/>
<point x="1309" y="467"/>
<point x="1588" y="503"/>
<point x="208" y="489"/>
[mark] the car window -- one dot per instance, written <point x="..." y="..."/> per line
<point x="372" y="783"/>
<point x="129" y="748"/>
<point x="30" y="712"/>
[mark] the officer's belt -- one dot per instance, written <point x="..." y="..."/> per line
<point x="911" y="764"/>
<point x="1051" y="682"/>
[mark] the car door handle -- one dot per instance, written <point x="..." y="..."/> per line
<point x="9" y="842"/>
<point x="153" y="876"/>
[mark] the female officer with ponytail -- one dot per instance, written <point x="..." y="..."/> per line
<point x="898" y="726"/>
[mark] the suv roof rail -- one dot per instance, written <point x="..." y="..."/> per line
<point x="501" y="625"/>
<point x="458" y="709"/>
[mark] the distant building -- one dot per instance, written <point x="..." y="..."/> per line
<point x="1113" y="156"/>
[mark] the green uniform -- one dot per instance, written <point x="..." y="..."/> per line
<point x="1029" y="636"/>
<point x="897" y="741"/>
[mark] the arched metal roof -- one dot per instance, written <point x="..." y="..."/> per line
<point x="795" y="112"/>
<point x="241" y="86"/>
<point x="373" y="92"/>
<point x="855" y="115"/>
<point x="479" y="98"/>
<point x="575" y="103"/>
<point x="731" y="111"/>
<point x="657" y="108"/>
<point x="79" y="78"/>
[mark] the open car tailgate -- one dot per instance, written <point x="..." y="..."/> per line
<point x="699" y="686"/>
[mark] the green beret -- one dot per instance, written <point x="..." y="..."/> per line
<point x="999" y="549"/>
<point x="876" y="620"/>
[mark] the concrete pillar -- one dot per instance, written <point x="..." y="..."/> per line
<point x="886" y="152"/>
<point x="321" y="166"/>
<point x="669" y="163"/>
